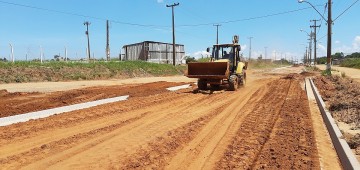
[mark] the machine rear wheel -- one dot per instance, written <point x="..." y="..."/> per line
<point x="215" y="86"/>
<point x="233" y="82"/>
<point x="202" y="85"/>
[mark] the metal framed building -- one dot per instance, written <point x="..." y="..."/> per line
<point x="156" y="52"/>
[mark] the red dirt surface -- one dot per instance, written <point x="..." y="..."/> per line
<point x="264" y="125"/>
<point x="20" y="102"/>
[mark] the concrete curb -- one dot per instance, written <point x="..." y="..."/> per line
<point x="178" y="87"/>
<point x="346" y="156"/>
<point x="46" y="113"/>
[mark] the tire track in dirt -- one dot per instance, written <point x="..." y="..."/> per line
<point x="255" y="129"/>
<point x="22" y="131"/>
<point x="184" y="103"/>
<point x="79" y="134"/>
<point x="187" y="141"/>
<point x="198" y="153"/>
<point x="291" y="144"/>
<point x="281" y="125"/>
<point x="246" y="129"/>
<point x="132" y="137"/>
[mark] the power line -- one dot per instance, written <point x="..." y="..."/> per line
<point x="79" y="15"/>
<point x="322" y="37"/>
<point x="321" y="20"/>
<point x="245" y="19"/>
<point x="151" y="25"/>
<point x="346" y="10"/>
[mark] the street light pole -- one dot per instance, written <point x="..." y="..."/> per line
<point x="173" y="29"/>
<point x="12" y="53"/>
<point x="308" y="59"/>
<point x="250" y="48"/>
<point x="329" y="21"/>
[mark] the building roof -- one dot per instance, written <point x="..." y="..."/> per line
<point x="151" y="42"/>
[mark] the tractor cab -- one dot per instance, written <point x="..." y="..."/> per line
<point x="226" y="53"/>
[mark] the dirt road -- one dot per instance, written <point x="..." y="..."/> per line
<point x="62" y="86"/>
<point x="264" y="125"/>
<point x="350" y="72"/>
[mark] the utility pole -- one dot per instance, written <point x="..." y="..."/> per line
<point x="217" y="32"/>
<point x="306" y="56"/>
<point x="107" y="41"/>
<point x="329" y="22"/>
<point x="41" y="54"/>
<point x="65" y="54"/>
<point x="250" y="47"/>
<point x="173" y="29"/>
<point x="310" y="47"/>
<point x="275" y="56"/>
<point x="315" y="41"/>
<point x="87" y="23"/>
<point x="12" y="53"/>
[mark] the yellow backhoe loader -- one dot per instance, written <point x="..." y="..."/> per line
<point x="224" y="67"/>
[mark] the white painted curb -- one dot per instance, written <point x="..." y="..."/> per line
<point x="178" y="87"/>
<point x="46" y="113"/>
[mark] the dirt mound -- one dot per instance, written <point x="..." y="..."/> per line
<point x="345" y="104"/>
<point x="3" y="92"/>
<point x="307" y="74"/>
<point x="325" y="87"/>
<point x="342" y="96"/>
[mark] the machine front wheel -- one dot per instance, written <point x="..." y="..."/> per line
<point x="202" y="85"/>
<point x="233" y="83"/>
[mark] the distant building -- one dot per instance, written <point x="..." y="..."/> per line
<point x="151" y="51"/>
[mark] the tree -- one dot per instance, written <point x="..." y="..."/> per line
<point x="189" y="59"/>
<point x="338" y="55"/>
<point x="57" y="57"/>
<point x="4" y="60"/>
<point x="353" y="55"/>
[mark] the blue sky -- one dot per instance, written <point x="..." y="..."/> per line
<point x="27" y="28"/>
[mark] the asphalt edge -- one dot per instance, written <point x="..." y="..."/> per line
<point x="346" y="156"/>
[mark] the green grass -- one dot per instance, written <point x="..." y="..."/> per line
<point x="207" y="59"/>
<point x="351" y="62"/>
<point x="22" y="71"/>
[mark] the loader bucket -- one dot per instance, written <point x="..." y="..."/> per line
<point x="208" y="70"/>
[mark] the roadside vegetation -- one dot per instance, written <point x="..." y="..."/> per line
<point x="260" y="64"/>
<point x="352" y="60"/>
<point x="253" y="63"/>
<point x="64" y="71"/>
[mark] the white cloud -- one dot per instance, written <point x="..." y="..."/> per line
<point x="243" y="47"/>
<point x="356" y="43"/>
<point x="321" y="51"/>
<point x="160" y="1"/>
<point x="200" y="54"/>
<point x="339" y="47"/>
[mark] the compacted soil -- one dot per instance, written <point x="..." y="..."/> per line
<point x="264" y="125"/>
